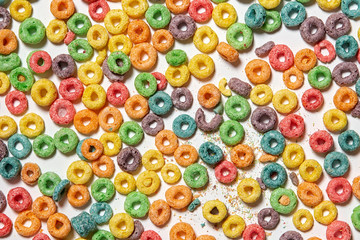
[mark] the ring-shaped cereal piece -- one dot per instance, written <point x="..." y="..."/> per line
<point x="8" y="127"/>
<point x="91" y="102"/>
<point x="117" y="94"/>
<point x="162" y="40"/>
<point x="242" y="155"/>
<point x="59" y="225"/>
<point x="261" y="94"/>
<point x="16" y="96"/>
<point x="137" y="53"/>
<point x="185" y="155"/>
<point x="218" y="15"/>
<point x="159" y="212"/>
<point x="166" y="135"/>
<point x="272" y="169"/>
<point x="30" y="173"/>
<point x="225" y="172"/>
<point x="177" y="8"/>
<point x="205" y="32"/>
<point x="56" y="31"/>
<point x="90" y="69"/>
<point x="68" y="112"/>
<point x="249" y="190"/>
<point x="321" y="141"/>
<point x="97" y="36"/>
<point x="328" y="5"/>
<point x="39" y="61"/>
<point x="97" y="167"/>
<point x="201" y="66"/>
<point x="31" y="119"/>
<point x="153" y="160"/>
<point x="258" y="71"/>
<point x="324" y="44"/>
<point x="208" y="209"/>
<point x="102" y="6"/>
<point x="148" y="182"/>
<point x="92" y="149"/>
<point x="131" y="127"/>
<point x="325" y="206"/>
<point x="136" y="107"/>
<point x="15" y="7"/>
<point x="184" y="229"/>
<point x="310" y="194"/>
<point x="19" y="199"/>
<point x="335" y="120"/>
<point x="293" y="155"/>
<point x="44" y="92"/>
<point x="135" y="8"/>
<point x="62" y="9"/>
<point x="292" y="126"/>
<point x="233" y="226"/>
<point x="345" y="99"/>
<point x="285" y="101"/>
<point x="297" y="220"/>
<point x="269" y="4"/>
<point x="337" y="226"/>
<point x="138" y="31"/>
<point x="79" y="172"/>
<point x="116" y="21"/>
<point x="44" y="207"/>
<point x="83" y="116"/>
<point x="6" y="221"/>
<point x="179" y="196"/>
<point x="78" y="195"/>
<point x="15" y="140"/>
<point x="310" y="170"/>
<point x="170" y="168"/>
<point x="312" y="99"/>
<point x="108" y="113"/>
<point x="339" y="190"/>
<point x="4" y="83"/>
<point x="305" y="60"/>
<point x="239" y="29"/>
<point x="283" y="207"/>
<point x="276" y="53"/>
<point x="356" y="187"/>
<point x="209" y="96"/>
<point x="177" y="76"/>
<point x="124" y="183"/>
<point x="198" y="16"/>
<point x="8" y="41"/>
<point x="293" y="85"/>
<point x="120" y="40"/>
<point x="22" y="229"/>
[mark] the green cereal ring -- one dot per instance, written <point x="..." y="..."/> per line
<point x="234" y="102"/>
<point x="44" y="146"/>
<point x="271" y="26"/>
<point x="21" y="85"/>
<point x="103" y="235"/>
<point x="32" y="31"/>
<point x="145" y="84"/>
<point x="99" y="185"/>
<point x="196" y="176"/>
<point x="9" y="62"/>
<point x="218" y="1"/>
<point x="136" y="198"/>
<point x="176" y="57"/>
<point x="320" y="72"/>
<point x="113" y="60"/>
<point x="86" y="52"/>
<point x="63" y="135"/>
<point x="355" y="217"/>
<point x="76" y="20"/>
<point x="158" y="16"/>
<point x="277" y="206"/>
<point x="235" y="31"/>
<point x="47" y="183"/>
<point x="126" y="128"/>
<point x="303" y="1"/>
<point x="227" y="128"/>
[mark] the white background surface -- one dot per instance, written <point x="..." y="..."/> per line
<point x="291" y="37"/>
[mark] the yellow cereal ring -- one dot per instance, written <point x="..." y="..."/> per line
<point x="90" y="68"/>
<point x="233" y="226"/>
<point x="124" y="183"/>
<point x="218" y="14"/>
<point x="88" y="96"/>
<point x="335" y="120"/>
<point x="293" y="155"/>
<point x="135" y="8"/>
<point x="79" y="172"/>
<point x="285" y="101"/>
<point x="249" y="190"/>
<point x="297" y="220"/>
<point x="321" y="208"/>
<point x="8" y="127"/>
<point x="177" y="76"/>
<point x="269" y="4"/>
<point x="120" y="40"/>
<point x="97" y="37"/>
<point x="222" y="88"/>
<point x="202" y="33"/>
<point x="209" y="206"/>
<point x="116" y="21"/>
<point x="56" y="31"/>
<point x="310" y="170"/>
<point x="31" y="119"/>
<point x="261" y="94"/>
<point x="15" y="8"/>
<point x="121" y="225"/>
<point x="148" y="182"/>
<point x="149" y="157"/>
<point x="44" y="92"/>
<point x="170" y="167"/>
<point x="328" y="5"/>
<point x="4" y="83"/>
<point x="114" y="138"/>
<point x="199" y="61"/>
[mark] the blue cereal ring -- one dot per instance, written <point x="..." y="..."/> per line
<point x="293" y="8"/>
<point x="4" y="2"/>
<point x="101" y="212"/>
<point x="158" y="98"/>
<point x="269" y="138"/>
<point x="60" y="190"/>
<point x="24" y="141"/>
<point x="269" y="171"/>
<point x="357" y="87"/>
<point x="78" y="150"/>
<point x="349" y="141"/>
<point x="83" y="224"/>
<point x="181" y="121"/>
<point x="345" y="8"/>
<point x="10" y="167"/>
<point x="255" y="16"/>
<point x="210" y="153"/>
<point x="346" y="47"/>
<point x="336" y="164"/>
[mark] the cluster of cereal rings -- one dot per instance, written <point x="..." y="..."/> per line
<point x="134" y="36"/>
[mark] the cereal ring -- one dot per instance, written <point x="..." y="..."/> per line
<point x="345" y="99"/>
<point x="292" y="126"/>
<point x="37" y="29"/>
<point x="60" y="190"/>
<point x="301" y="214"/>
<point x="44" y="207"/>
<point x="285" y="101"/>
<point x="117" y="41"/>
<point x="199" y="72"/>
<point x="261" y="94"/>
<point x="16" y="139"/>
<point x="116" y="21"/>
<point x="152" y="14"/>
<point x="312" y="99"/>
<point x="336" y="164"/>
<point x="307" y="27"/>
<point x="233" y="32"/>
<point x="138" y="31"/>
<point x="210" y="153"/>
<point x="30" y="173"/>
<point x="278" y="206"/>
<point x="56" y="31"/>
<point x="95" y="6"/>
<point x="338" y="226"/>
<point x="98" y="164"/>
<point x="242" y="155"/>
<point x="63" y="66"/>
<point x="177" y="8"/>
<point x="16" y="96"/>
<point x="196" y="176"/>
<point x="140" y="50"/>
<point x="293" y="85"/>
<point x="227" y="129"/>
<point x="53" y="225"/>
<point x="6" y="21"/>
<point x="255" y="16"/>
<point x="209" y="95"/>
<point x="123" y="159"/>
<point x="346" y="47"/>
<point x="124" y="178"/>
<point x="340" y="69"/>
<point x="79" y="172"/>
<point x="325" y="206"/>
<point x="19" y="199"/>
<point x="78" y="195"/>
<point x="332" y="25"/>
<point x="15" y="7"/>
<point x="97" y="208"/>
<point x="179" y="196"/>
<point x="272" y="22"/>
<point x="6" y="221"/>
<point x="249" y="190"/>
<point x="148" y="182"/>
<point x="159" y="212"/>
<point x="162" y="40"/>
<point x="39" y="57"/>
<point x="254" y="230"/>
<point x="10" y="167"/>
<point x="22" y="229"/>
<point x="264" y="119"/>
<point x="310" y="170"/>
<point x="258" y="71"/>
<point x="208" y="209"/>
<point x="287" y="12"/>
<point x="158" y="99"/>
<point x="349" y="141"/>
<point x="135" y="9"/>
<point x="321" y="141"/>
<point x="274" y="218"/>
<point x="170" y="168"/>
<point x="218" y="17"/>
<point x="339" y="190"/>
<point x="324" y="44"/>
<point x="62" y="9"/>
<point x="276" y="53"/>
<point x="202" y="33"/>
<point x="335" y="120"/>
<point x="310" y="194"/>
<point x="102" y="190"/>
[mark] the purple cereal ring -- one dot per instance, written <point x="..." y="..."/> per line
<point x="2" y="201"/>
<point x="259" y="117"/>
<point x="307" y="27"/>
<point x="176" y="98"/>
<point x="294" y="178"/>
<point x="63" y="66"/>
<point x="274" y="218"/>
<point x="3" y="150"/>
<point x="264" y="50"/>
<point x="345" y="67"/>
<point x="356" y="111"/>
<point x="291" y="235"/>
<point x="332" y="23"/>
<point x="5" y="18"/>
<point x="125" y="156"/>
<point x="138" y="230"/>
<point x="178" y="22"/>
<point x="113" y="77"/>
<point x="211" y="126"/>
<point x="150" y="119"/>
<point x="261" y="183"/>
<point x="240" y="87"/>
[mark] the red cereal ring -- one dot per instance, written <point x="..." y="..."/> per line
<point x="40" y="61"/>
<point x="62" y="112"/>
<point x="94" y="11"/>
<point x="195" y="7"/>
<point x="117" y="94"/>
<point x="70" y="36"/>
<point x="13" y="97"/>
<point x="150" y="235"/>
<point x="254" y="232"/>
<point x="19" y="199"/>
<point x="292" y="126"/>
<point x="7" y="225"/>
<point x="321" y="141"/>
<point x="41" y="236"/>
<point x="339" y="190"/>
<point x="277" y="54"/>
<point x="71" y="89"/>
<point x="336" y="227"/>
<point x="358" y="56"/>
<point x="161" y="79"/>
<point x="325" y="44"/>
<point x="312" y="99"/>
<point x="225" y="172"/>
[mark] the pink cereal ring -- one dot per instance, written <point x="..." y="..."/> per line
<point x="292" y="126"/>
<point x="254" y="232"/>
<point x="41" y="57"/>
<point x="13" y="97"/>
<point x="338" y="230"/>
<point x="225" y="172"/>
<point x="195" y="7"/>
<point x="71" y="89"/>
<point x="117" y="94"/>
<point x="6" y="221"/>
<point x="339" y="190"/>
<point x="321" y="141"/>
<point x="358" y="56"/>
<point x="90" y="1"/>
<point x="62" y="112"/>
<point x="162" y="81"/>
<point x="281" y="57"/>
<point x="70" y="36"/>
<point x="312" y="99"/>
<point x="41" y="236"/>
<point x="19" y="199"/>
<point x="150" y="235"/>
<point x="94" y="8"/>
<point x="325" y="44"/>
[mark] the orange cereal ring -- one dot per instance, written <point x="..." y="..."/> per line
<point x="62" y="9"/>
<point x="44" y="207"/>
<point x="159" y="212"/>
<point x="59" y="225"/>
<point x="258" y="71"/>
<point x="84" y="116"/>
<point x="170" y="137"/>
<point x="314" y="238"/>
<point x="133" y="103"/>
<point x="227" y="52"/>
<point x="138" y="52"/>
<point x="24" y="217"/>
<point x="180" y="230"/>
<point x="299" y="81"/>
<point x="175" y="8"/>
<point x="162" y="40"/>
<point x="108" y="113"/>
<point x="30" y="173"/>
<point x="78" y="195"/>
<point x="8" y="41"/>
<point x="209" y="96"/>
<point x="205" y="237"/>
<point x="103" y="161"/>
<point x="178" y="197"/>
<point x="345" y="99"/>
<point x="305" y="60"/>
<point x="242" y="155"/>
<point x="356" y="187"/>
<point x="138" y="31"/>
<point x="185" y="155"/>
<point x="92" y="149"/>
<point x="310" y="194"/>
